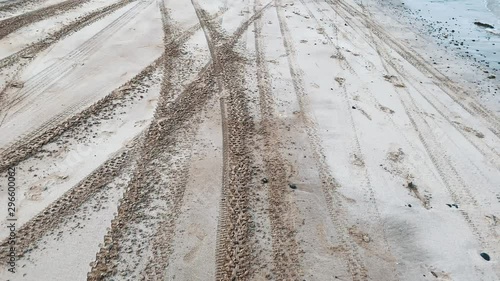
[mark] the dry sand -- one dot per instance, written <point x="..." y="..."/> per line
<point x="241" y="140"/>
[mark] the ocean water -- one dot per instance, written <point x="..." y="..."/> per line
<point x="451" y="23"/>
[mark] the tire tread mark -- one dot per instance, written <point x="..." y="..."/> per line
<point x="42" y="80"/>
<point x="67" y="205"/>
<point x="284" y="245"/>
<point x="454" y="184"/>
<point x="329" y="185"/>
<point x="27" y="145"/>
<point x="34" y="48"/>
<point x="455" y="92"/>
<point x="12" y="24"/>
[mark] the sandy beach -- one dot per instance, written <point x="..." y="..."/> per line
<point x="247" y="140"/>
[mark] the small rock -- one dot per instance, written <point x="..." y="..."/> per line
<point x="17" y="84"/>
<point x="353" y="107"/>
<point x="292" y="186"/>
<point x="411" y="185"/>
<point x="485" y="256"/>
<point x="264" y="180"/>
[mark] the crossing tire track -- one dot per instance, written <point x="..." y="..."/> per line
<point x="31" y="142"/>
<point x="170" y="117"/>
<point x="65" y="206"/>
<point x="232" y="245"/>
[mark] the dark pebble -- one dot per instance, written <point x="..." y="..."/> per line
<point x="353" y="107"/>
<point x="264" y="180"/>
<point x="292" y="186"/>
<point x="482" y="24"/>
<point x="485" y="256"/>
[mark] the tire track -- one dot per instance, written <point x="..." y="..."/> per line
<point x="457" y="188"/>
<point x="455" y="185"/>
<point x="30" y="143"/>
<point x="42" y="80"/>
<point x="17" y="4"/>
<point x="480" y="146"/>
<point x="444" y="83"/>
<point x="338" y="215"/>
<point x="162" y="136"/>
<point x="26" y="147"/>
<point x="437" y="153"/>
<point x="14" y="5"/>
<point x="345" y="65"/>
<point x="162" y="240"/>
<point x="233" y="250"/>
<point x="170" y="117"/>
<point x="67" y="205"/>
<point x="35" y="48"/>
<point x="284" y="244"/>
<point x="12" y="24"/>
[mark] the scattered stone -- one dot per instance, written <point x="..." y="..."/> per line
<point x="411" y="185"/>
<point x="292" y="186"/>
<point x="485" y="256"/>
<point x="264" y="180"/>
<point x="17" y="84"/>
<point x="353" y="107"/>
<point x="340" y="80"/>
<point x="492" y="77"/>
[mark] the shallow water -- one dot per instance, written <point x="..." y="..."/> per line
<point x="451" y="22"/>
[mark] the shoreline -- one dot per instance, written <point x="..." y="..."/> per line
<point x="458" y="48"/>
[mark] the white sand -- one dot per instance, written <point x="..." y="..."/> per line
<point x="355" y="113"/>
